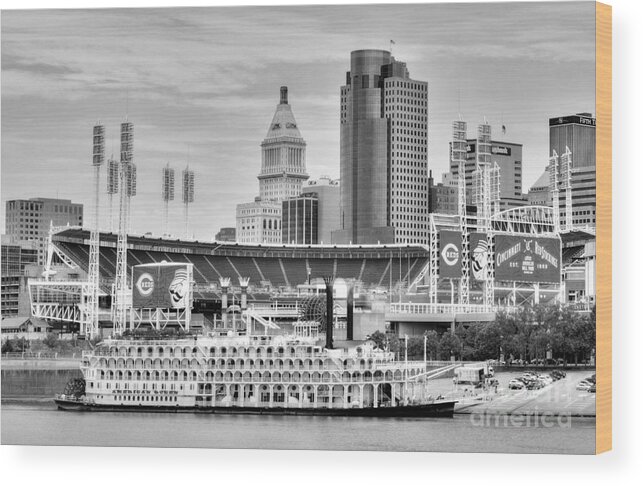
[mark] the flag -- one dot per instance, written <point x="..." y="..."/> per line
<point x="392" y="42"/>
<point x="504" y="130"/>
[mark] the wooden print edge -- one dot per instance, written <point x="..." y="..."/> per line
<point x="603" y="227"/>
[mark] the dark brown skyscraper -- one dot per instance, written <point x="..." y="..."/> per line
<point x="383" y="152"/>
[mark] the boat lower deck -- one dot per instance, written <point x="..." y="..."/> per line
<point x="435" y="409"/>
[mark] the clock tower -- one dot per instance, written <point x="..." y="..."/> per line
<point x="283" y="155"/>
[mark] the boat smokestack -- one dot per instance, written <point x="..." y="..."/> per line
<point x="329" y="311"/>
<point x="349" y="312"/>
<point x="243" y="283"/>
<point x="225" y="284"/>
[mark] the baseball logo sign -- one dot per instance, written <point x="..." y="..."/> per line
<point x="145" y="284"/>
<point x="450" y="254"/>
<point x="178" y="288"/>
<point x="479" y="260"/>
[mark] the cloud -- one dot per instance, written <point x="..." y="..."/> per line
<point x="202" y="83"/>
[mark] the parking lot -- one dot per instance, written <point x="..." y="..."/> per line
<point x="559" y="397"/>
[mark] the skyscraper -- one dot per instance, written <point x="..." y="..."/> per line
<point x="327" y="191"/>
<point x="508" y="156"/>
<point x="299" y="217"/>
<point x="578" y="132"/>
<point x="29" y="220"/>
<point x="283" y="172"/>
<point x="383" y="152"/>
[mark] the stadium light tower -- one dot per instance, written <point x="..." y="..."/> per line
<point x="486" y="192"/>
<point x="560" y="177"/>
<point x="112" y="187"/>
<point x="459" y="158"/>
<point x="167" y="194"/>
<point x="89" y="320"/>
<point x="127" y="175"/>
<point x="188" y="195"/>
<point x="566" y="184"/>
<point x="554" y="187"/>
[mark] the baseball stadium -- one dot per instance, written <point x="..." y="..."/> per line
<point x="402" y="289"/>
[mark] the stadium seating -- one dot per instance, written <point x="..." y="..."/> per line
<point x="283" y="267"/>
<point x="348" y="268"/>
<point x="271" y="270"/>
<point x="321" y="267"/>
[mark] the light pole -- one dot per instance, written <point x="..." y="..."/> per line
<point x="425" y="339"/>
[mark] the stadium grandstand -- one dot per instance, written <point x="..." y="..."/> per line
<point x="270" y="268"/>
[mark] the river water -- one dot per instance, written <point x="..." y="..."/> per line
<point x="42" y="424"/>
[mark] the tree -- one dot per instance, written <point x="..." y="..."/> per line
<point x="416" y="347"/>
<point x="488" y="341"/>
<point x="16" y="345"/>
<point x="450" y="345"/>
<point x="51" y="340"/>
<point x="381" y="341"/>
<point x="468" y="337"/>
<point x="432" y="344"/>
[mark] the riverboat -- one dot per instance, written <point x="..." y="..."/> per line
<point x="233" y="372"/>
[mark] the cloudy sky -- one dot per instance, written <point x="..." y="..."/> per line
<point x="201" y="85"/>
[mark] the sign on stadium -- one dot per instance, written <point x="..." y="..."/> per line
<point x="450" y="254"/>
<point x="161" y="286"/>
<point x="527" y="259"/>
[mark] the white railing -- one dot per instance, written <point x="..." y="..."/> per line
<point x="43" y="355"/>
<point x="414" y="308"/>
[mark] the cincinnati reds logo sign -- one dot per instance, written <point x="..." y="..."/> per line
<point x="450" y="254"/>
<point x="179" y="288"/>
<point x="145" y="284"/>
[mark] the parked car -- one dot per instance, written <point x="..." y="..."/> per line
<point x="535" y="385"/>
<point x="516" y="384"/>
<point x="558" y="375"/>
<point x="592" y="389"/>
<point x="584" y="385"/>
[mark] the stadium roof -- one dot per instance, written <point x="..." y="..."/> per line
<point x="79" y="235"/>
<point x="576" y="237"/>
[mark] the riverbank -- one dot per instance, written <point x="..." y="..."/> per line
<point x="29" y="382"/>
